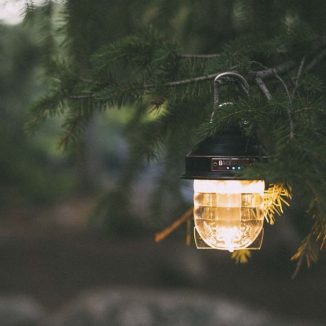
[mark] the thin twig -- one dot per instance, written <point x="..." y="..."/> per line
<point x="305" y="251"/>
<point x="188" y="232"/>
<point x="263" y="88"/>
<point x="169" y="84"/>
<point x="90" y="81"/>
<point x="320" y="56"/>
<point x="78" y="97"/>
<point x="184" y="81"/>
<point x="289" y="108"/>
<point x="285" y="87"/>
<point x="296" y="85"/>
<point x="275" y="73"/>
<point x="200" y="56"/>
<point x="298" y="266"/>
<point x="159" y="236"/>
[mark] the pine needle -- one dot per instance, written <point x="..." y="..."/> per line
<point x="275" y="197"/>
<point x="241" y="256"/>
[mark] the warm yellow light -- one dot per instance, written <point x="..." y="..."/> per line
<point x="229" y="214"/>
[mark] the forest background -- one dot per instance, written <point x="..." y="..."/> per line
<point x="93" y="137"/>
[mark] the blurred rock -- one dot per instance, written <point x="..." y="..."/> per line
<point x="125" y="307"/>
<point x="183" y="266"/>
<point x="20" y="311"/>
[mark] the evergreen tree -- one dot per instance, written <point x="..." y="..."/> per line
<point x="27" y="164"/>
<point x="138" y="55"/>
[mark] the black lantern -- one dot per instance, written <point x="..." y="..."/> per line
<point x="228" y="209"/>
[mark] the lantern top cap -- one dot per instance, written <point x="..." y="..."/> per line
<point x="222" y="155"/>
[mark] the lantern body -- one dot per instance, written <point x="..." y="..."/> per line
<point x="228" y="214"/>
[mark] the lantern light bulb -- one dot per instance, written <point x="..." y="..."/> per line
<point x="228" y="214"/>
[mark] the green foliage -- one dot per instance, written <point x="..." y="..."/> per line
<point x="147" y="68"/>
<point x="30" y="171"/>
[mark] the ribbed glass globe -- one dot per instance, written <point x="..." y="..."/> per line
<point x="229" y="214"/>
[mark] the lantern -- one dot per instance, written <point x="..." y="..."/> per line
<point x="228" y="210"/>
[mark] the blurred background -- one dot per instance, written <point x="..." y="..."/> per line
<point x="67" y="258"/>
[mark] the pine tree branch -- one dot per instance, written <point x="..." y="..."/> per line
<point x="262" y="74"/>
<point x="307" y="250"/>
<point x="270" y="72"/>
<point x="159" y="236"/>
<point x="253" y="75"/>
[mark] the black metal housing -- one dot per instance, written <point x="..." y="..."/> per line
<point x="222" y="156"/>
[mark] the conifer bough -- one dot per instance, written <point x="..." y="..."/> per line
<point x="170" y="96"/>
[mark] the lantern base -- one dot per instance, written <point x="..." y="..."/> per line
<point x="201" y="244"/>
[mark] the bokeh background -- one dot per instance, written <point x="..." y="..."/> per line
<point x="61" y="262"/>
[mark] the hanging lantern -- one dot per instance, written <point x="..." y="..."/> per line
<point x="228" y="210"/>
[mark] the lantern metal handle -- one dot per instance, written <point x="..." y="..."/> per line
<point x="229" y="76"/>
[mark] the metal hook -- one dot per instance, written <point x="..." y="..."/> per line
<point x="230" y="76"/>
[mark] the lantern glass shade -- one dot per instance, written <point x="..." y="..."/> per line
<point x="229" y="214"/>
